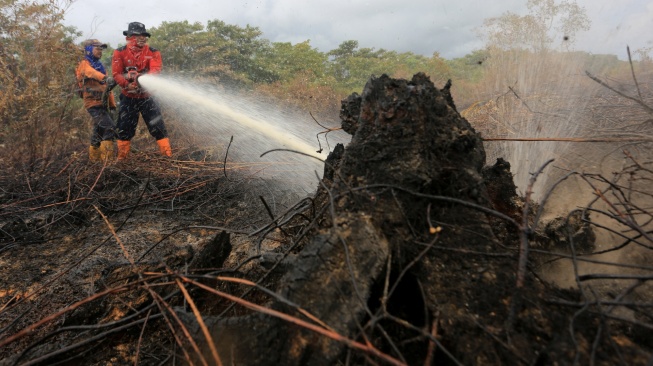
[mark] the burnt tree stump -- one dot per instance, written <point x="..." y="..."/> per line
<point x="405" y="257"/>
<point x="407" y="140"/>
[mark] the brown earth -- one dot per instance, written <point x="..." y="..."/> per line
<point x="408" y="253"/>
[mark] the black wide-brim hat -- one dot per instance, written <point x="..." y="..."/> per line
<point x="135" y="28"/>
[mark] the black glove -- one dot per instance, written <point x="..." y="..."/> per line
<point x="110" y="82"/>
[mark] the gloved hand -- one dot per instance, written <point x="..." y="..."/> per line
<point x="110" y="82"/>
<point x="133" y="87"/>
<point x="132" y="73"/>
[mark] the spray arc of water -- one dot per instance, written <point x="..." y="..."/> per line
<point x="160" y="86"/>
<point x="213" y="113"/>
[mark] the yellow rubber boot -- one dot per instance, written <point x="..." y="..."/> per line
<point x="164" y="147"/>
<point x="106" y="150"/>
<point x="123" y="149"/>
<point x="94" y="153"/>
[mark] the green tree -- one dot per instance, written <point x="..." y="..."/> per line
<point x="352" y="67"/>
<point x="227" y="52"/>
<point x="240" y="49"/>
<point x="340" y="57"/>
<point x="182" y="44"/>
<point x="469" y="67"/>
<point x="285" y="61"/>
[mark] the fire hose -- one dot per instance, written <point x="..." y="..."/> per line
<point x="111" y="83"/>
<point x="132" y="76"/>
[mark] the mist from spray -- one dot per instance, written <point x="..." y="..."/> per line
<point x="217" y="114"/>
<point x="549" y="95"/>
<point x="542" y="95"/>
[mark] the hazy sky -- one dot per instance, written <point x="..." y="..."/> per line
<point x="419" y="26"/>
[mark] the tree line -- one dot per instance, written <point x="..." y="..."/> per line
<point x="243" y="56"/>
<point x="38" y="53"/>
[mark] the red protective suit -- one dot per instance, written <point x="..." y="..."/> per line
<point x="145" y="59"/>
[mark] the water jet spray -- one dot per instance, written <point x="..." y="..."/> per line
<point x="257" y="127"/>
<point x="160" y="86"/>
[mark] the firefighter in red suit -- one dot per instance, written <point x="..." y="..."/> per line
<point x="129" y="62"/>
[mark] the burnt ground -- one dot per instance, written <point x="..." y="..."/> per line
<point x="411" y="251"/>
<point x="65" y="244"/>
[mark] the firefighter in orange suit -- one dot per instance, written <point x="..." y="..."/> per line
<point x="130" y="62"/>
<point x="95" y="88"/>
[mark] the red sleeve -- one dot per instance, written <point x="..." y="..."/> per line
<point x="117" y="69"/>
<point x="155" y="63"/>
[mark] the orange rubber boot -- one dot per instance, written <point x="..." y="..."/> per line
<point x="94" y="153"/>
<point x="106" y="150"/>
<point x="123" y="149"/>
<point x="164" y="147"/>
